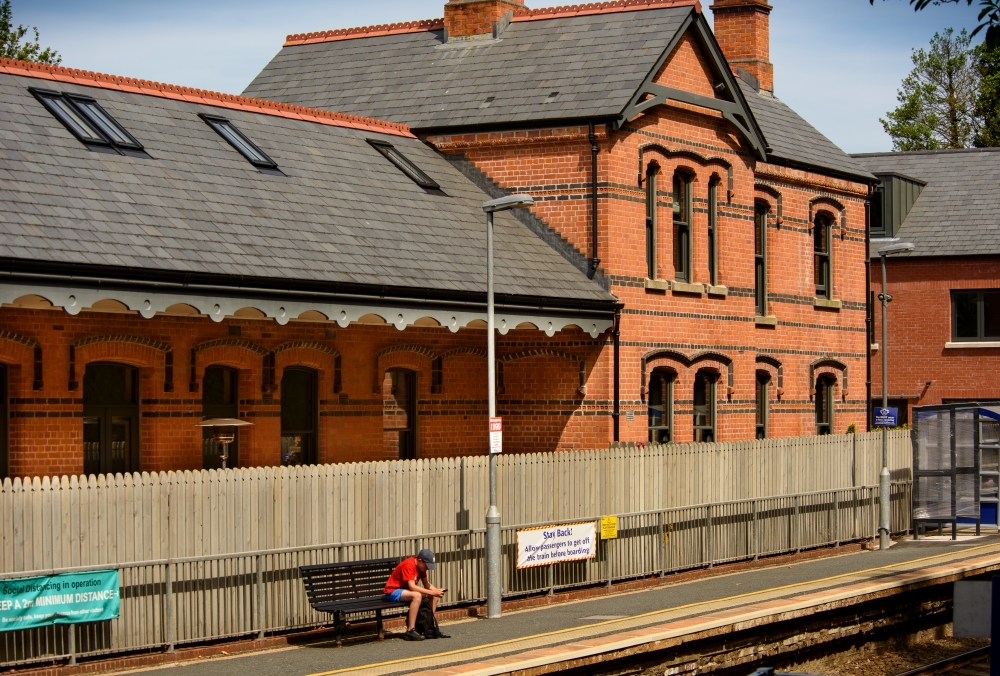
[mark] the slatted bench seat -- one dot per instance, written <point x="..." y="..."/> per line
<point x="349" y="588"/>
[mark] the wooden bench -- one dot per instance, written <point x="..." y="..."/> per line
<point x="348" y="588"/>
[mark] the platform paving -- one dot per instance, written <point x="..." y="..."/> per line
<point x="579" y="629"/>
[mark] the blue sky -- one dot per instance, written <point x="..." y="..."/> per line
<point x="837" y="62"/>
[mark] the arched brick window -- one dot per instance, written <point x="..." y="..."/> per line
<point x="651" y="174"/>
<point x="713" y="230"/>
<point x="220" y="399"/>
<point x="110" y="418"/>
<point x="822" y="245"/>
<point x="299" y="412"/>
<point x="760" y="259"/>
<point x="660" y="404"/>
<point x="763" y="403"/>
<point x="704" y="405"/>
<point x="824" y="404"/>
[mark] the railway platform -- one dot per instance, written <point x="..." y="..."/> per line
<point x="772" y="607"/>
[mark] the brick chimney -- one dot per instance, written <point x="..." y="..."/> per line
<point x="470" y="19"/>
<point x="742" y="28"/>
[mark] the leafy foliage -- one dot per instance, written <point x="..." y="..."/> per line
<point x="11" y="45"/>
<point x="938" y="98"/>
<point x="988" y="104"/>
<point x="989" y="10"/>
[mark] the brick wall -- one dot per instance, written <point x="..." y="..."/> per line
<point x="554" y="166"/>
<point x="541" y="398"/>
<point x="921" y="368"/>
<point x="464" y="18"/>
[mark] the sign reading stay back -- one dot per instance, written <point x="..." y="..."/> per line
<point x="70" y="598"/>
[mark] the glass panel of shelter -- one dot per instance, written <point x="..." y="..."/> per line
<point x="299" y="411"/>
<point x="110" y="419"/>
<point x="399" y="415"/>
<point x="219" y="399"/>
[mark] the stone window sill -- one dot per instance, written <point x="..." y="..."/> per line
<point x="874" y="347"/>
<point x="658" y="284"/>
<point x="973" y="345"/>
<point x="684" y="287"/>
<point x="828" y="303"/>
<point x="717" y="290"/>
<point x="769" y="320"/>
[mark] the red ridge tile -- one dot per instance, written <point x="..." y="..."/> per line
<point x="365" y="32"/>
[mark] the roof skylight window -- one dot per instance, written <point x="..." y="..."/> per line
<point x="404" y="165"/>
<point x="89" y="122"/>
<point x="245" y="146"/>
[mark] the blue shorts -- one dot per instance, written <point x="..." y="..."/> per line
<point x="394" y="596"/>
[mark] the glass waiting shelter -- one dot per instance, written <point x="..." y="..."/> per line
<point x="956" y="466"/>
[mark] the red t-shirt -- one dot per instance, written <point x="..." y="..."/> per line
<point x="405" y="571"/>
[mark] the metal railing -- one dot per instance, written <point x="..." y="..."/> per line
<point x="170" y="602"/>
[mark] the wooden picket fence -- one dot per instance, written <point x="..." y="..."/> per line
<point x="67" y="522"/>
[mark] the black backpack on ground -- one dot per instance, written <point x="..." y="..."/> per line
<point x="426" y="624"/>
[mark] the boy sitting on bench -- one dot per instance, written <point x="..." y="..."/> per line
<point x="402" y="586"/>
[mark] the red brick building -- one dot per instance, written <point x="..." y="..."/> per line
<point x="693" y="267"/>
<point x="944" y="318"/>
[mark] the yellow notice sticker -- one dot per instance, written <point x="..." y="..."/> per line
<point x="609" y="527"/>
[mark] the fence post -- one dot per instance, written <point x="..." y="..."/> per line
<point x="171" y="610"/>
<point x="71" y="643"/>
<point x="662" y="545"/>
<point x="709" y="540"/>
<point x="260" y="597"/>
<point x="836" y="518"/>
<point x="552" y="579"/>
<point x="756" y="543"/>
<point x="798" y="527"/>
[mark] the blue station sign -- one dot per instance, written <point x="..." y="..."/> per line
<point x="886" y="417"/>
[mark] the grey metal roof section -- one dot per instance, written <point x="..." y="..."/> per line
<point x="795" y="142"/>
<point x="958" y="212"/>
<point x="594" y="62"/>
<point x="342" y="213"/>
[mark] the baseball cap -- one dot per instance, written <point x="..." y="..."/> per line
<point x="427" y="556"/>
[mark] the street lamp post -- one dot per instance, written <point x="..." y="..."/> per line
<point x="883" y="479"/>
<point x="493" y="572"/>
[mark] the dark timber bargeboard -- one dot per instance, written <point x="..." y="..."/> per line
<point x="348" y="588"/>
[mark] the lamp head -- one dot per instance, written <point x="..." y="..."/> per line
<point x="898" y="247"/>
<point x="507" y="203"/>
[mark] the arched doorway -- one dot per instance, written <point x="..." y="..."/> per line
<point x="220" y="399"/>
<point x="299" y="411"/>
<point x="4" y="423"/>
<point x="110" y="419"/>
<point x="399" y="413"/>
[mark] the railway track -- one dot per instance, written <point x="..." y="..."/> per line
<point x="973" y="663"/>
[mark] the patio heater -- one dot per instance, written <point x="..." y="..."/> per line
<point x="493" y="554"/>
<point x="224" y="433"/>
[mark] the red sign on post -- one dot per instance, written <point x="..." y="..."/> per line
<point x="496" y="435"/>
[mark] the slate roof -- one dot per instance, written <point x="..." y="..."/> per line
<point x="595" y="62"/>
<point x="794" y="141"/>
<point x="342" y="213"/>
<point x="958" y="211"/>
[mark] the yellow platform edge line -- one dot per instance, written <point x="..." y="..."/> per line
<point x="641" y="615"/>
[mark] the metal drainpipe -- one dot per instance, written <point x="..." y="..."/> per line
<point x="594" y="149"/>
<point x="616" y="415"/>
<point x="869" y="319"/>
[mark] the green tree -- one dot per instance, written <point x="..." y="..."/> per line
<point x="938" y="98"/>
<point x="988" y="104"/>
<point x="11" y="46"/>
<point x="989" y="10"/>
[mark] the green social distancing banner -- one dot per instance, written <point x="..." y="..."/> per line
<point x="70" y="598"/>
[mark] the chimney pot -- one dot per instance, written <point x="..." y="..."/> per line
<point x="470" y="19"/>
<point x="742" y="28"/>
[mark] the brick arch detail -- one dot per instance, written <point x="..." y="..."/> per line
<point x="21" y="343"/>
<point x="704" y="160"/>
<point x="832" y="202"/>
<point x="774" y="368"/>
<point x="827" y="365"/>
<point x="112" y="344"/>
<point x="394" y="349"/>
<point x="308" y="345"/>
<point x="231" y="342"/>
<point x="774" y="193"/>
<point x="461" y="351"/>
<point x="248" y="347"/>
